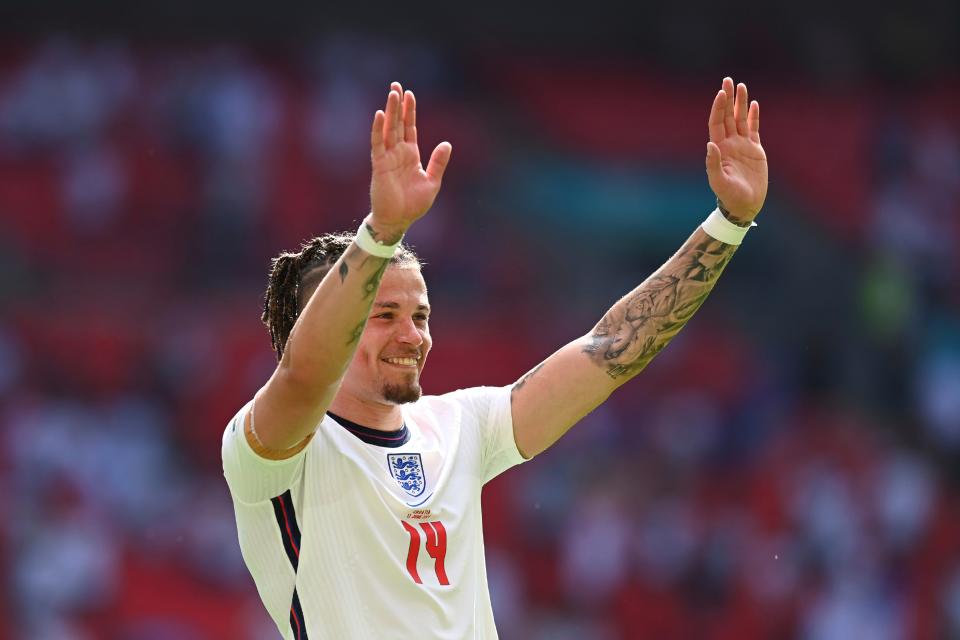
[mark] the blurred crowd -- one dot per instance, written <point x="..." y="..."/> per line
<point x="788" y="468"/>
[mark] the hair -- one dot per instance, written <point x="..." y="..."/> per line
<point x="294" y="276"/>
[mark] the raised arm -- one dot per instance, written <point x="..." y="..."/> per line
<point x="569" y="384"/>
<point x="325" y="335"/>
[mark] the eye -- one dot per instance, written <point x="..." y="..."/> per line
<point x="386" y="316"/>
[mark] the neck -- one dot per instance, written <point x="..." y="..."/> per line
<point x="376" y="415"/>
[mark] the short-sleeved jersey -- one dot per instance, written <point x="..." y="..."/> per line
<point x="348" y="539"/>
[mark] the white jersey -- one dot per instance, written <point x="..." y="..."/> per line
<point x="349" y="539"/>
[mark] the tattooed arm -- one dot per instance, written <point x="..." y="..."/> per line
<point x="577" y="378"/>
<point x="555" y="395"/>
<point x="644" y="321"/>
<point x="325" y="336"/>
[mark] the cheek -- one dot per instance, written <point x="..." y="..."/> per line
<point x="427" y="343"/>
<point x="364" y="360"/>
<point x="367" y="349"/>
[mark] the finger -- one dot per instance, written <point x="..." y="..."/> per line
<point x="740" y="109"/>
<point x="439" y="160"/>
<point x="715" y="122"/>
<point x="376" y="134"/>
<point x="729" y="123"/>
<point x="410" y="117"/>
<point x="390" y="120"/>
<point x="714" y="166"/>
<point x="753" y="121"/>
<point x="398" y="116"/>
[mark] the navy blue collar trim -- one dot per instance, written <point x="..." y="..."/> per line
<point x="390" y="439"/>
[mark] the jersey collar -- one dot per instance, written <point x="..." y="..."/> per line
<point x="390" y="439"/>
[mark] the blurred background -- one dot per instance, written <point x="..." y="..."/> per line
<point x="788" y="468"/>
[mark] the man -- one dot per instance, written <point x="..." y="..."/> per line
<point x="358" y="500"/>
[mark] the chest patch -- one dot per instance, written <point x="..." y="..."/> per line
<point x="407" y="470"/>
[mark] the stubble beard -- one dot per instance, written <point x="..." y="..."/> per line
<point x="402" y="393"/>
<point x="405" y="391"/>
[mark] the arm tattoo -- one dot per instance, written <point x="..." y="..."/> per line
<point x="357" y="332"/>
<point x="519" y="384"/>
<point x="642" y="323"/>
<point x="373" y="282"/>
<point x="369" y="286"/>
<point x="378" y="238"/>
<point x="356" y="255"/>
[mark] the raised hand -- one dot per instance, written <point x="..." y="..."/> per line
<point x="736" y="163"/>
<point x="401" y="191"/>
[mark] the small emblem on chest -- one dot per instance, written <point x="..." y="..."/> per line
<point x="407" y="470"/>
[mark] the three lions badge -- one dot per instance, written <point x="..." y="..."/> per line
<point x="407" y="470"/>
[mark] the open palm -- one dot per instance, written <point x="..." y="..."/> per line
<point x="736" y="162"/>
<point x="401" y="190"/>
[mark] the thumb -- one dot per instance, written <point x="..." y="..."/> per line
<point x="438" y="161"/>
<point x="713" y="161"/>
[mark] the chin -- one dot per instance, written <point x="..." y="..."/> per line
<point x="402" y="393"/>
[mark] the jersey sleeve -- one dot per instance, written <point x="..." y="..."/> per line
<point x="498" y="446"/>
<point x="252" y="478"/>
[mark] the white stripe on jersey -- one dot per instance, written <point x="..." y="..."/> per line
<point x="374" y="521"/>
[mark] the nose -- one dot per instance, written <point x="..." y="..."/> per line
<point x="408" y="333"/>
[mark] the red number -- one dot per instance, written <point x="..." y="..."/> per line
<point x="437" y="547"/>
<point x="413" y="552"/>
<point x="436" y="544"/>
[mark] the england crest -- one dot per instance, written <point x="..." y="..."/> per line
<point x="407" y="470"/>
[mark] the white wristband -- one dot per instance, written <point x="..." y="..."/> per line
<point x="718" y="227"/>
<point x="375" y="248"/>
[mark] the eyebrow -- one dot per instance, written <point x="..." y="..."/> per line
<point x="394" y="305"/>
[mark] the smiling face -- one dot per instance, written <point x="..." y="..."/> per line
<point x="394" y="345"/>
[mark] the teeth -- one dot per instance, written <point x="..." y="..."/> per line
<point x="410" y="362"/>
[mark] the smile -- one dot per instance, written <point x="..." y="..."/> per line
<point x="402" y="362"/>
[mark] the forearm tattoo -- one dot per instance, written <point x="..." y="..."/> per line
<point x="356" y="254"/>
<point x="373" y="282"/>
<point x="644" y="321"/>
<point x="370" y="285"/>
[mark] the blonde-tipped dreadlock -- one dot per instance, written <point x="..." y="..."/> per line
<point x="284" y="299"/>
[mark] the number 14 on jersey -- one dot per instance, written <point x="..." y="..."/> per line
<point x="436" y="544"/>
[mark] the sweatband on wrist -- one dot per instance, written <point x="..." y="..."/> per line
<point x="718" y="227"/>
<point x="366" y="242"/>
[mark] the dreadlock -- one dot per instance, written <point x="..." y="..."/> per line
<point x="294" y="276"/>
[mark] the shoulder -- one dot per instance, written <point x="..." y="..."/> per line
<point x="473" y="401"/>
